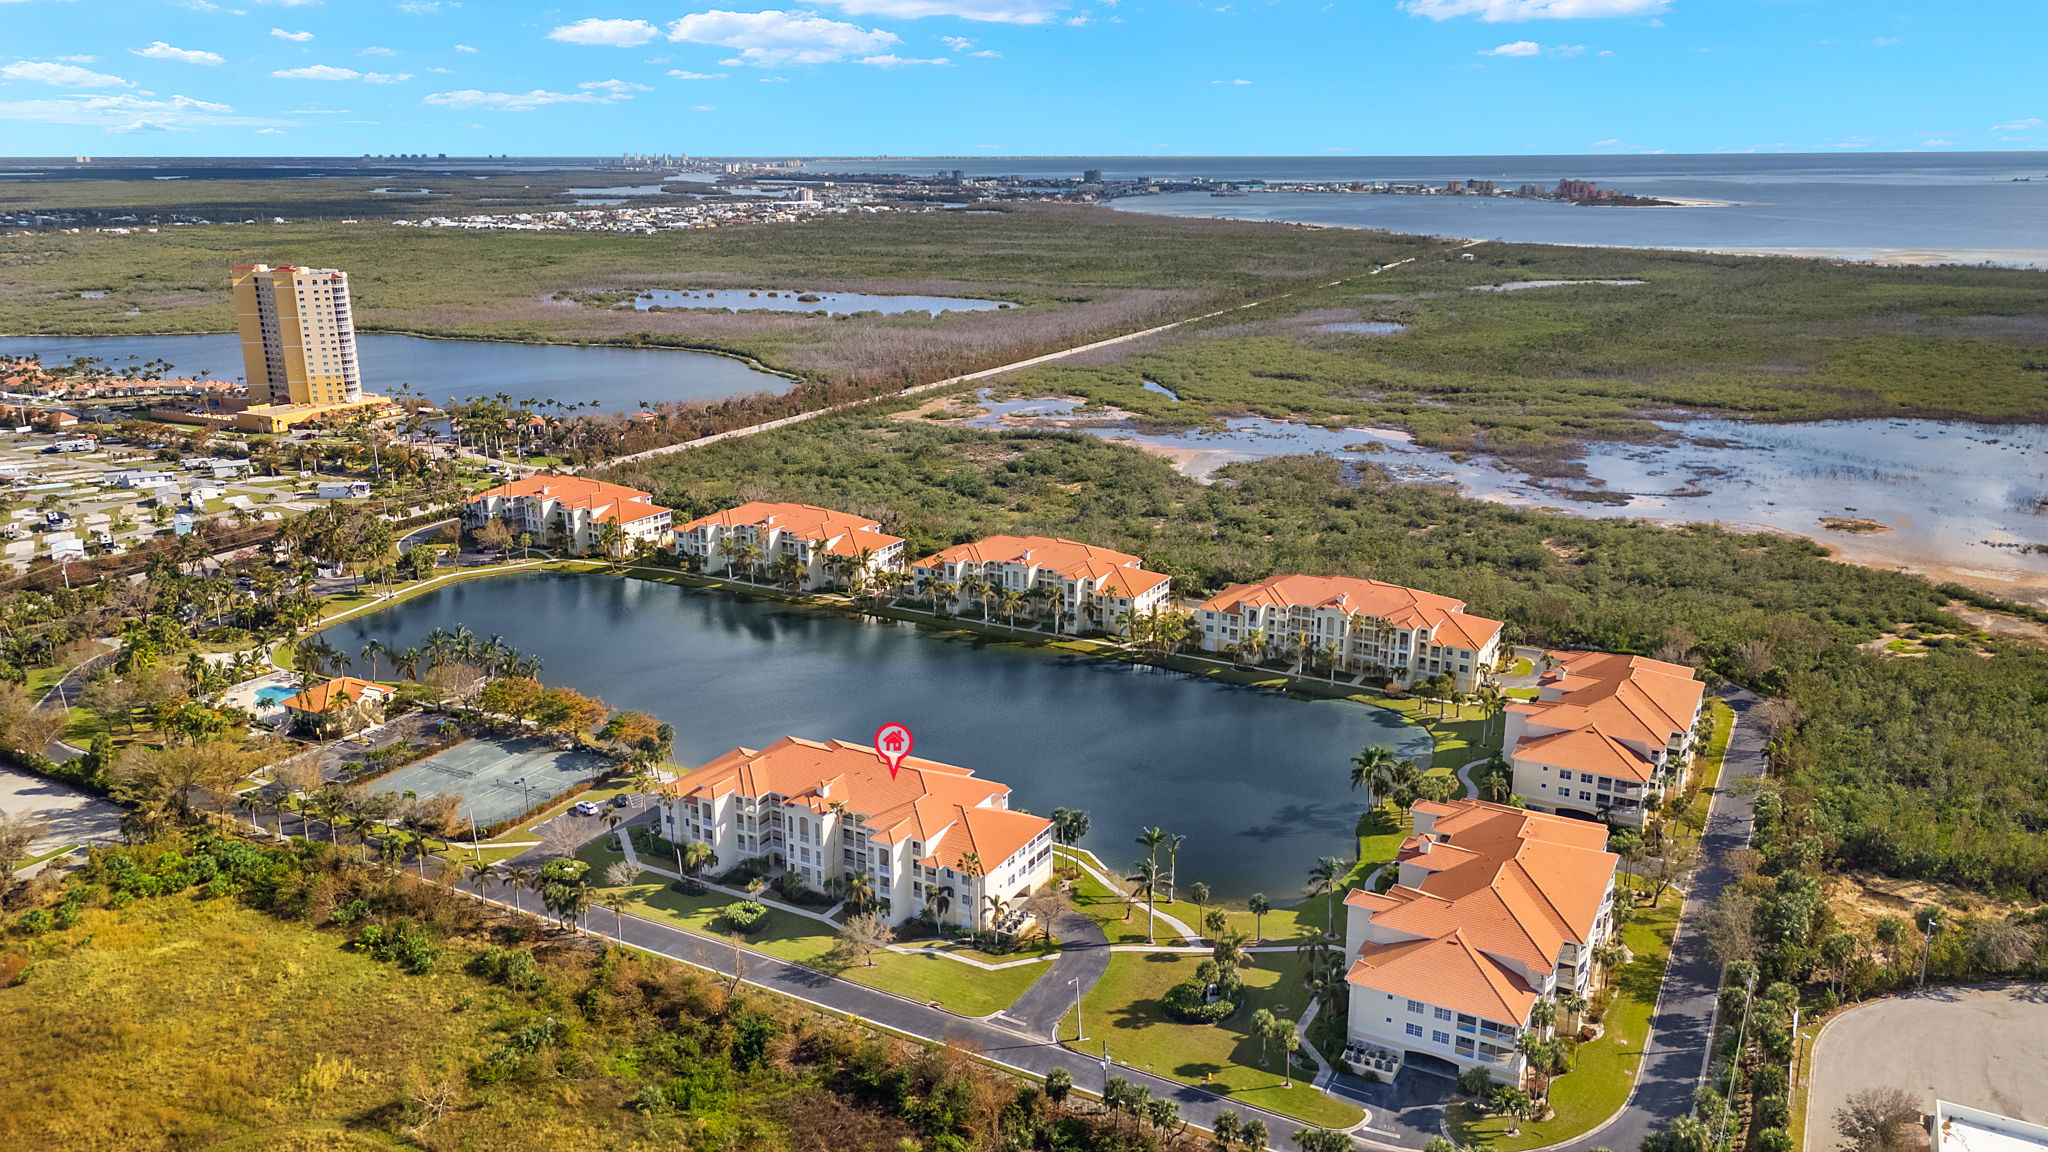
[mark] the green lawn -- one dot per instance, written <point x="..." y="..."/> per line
<point x="1599" y="1085"/>
<point x="1124" y="1010"/>
<point x="957" y="987"/>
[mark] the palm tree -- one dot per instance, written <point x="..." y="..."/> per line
<point x="476" y="872"/>
<point x="945" y="594"/>
<point x="997" y="908"/>
<point x="1573" y="1005"/>
<point x="518" y="880"/>
<point x="1543" y="1014"/>
<point x="1324" y="880"/>
<point x="938" y="900"/>
<point x="1259" y="906"/>
<point x="1373" y="769"/>
<point x="1069" y="825"/>
<point x="1172" y="845"/>
<point x="253" y="803"/>
<point x="1230" y="948"/>
<point x="1147" y="881"/>
<point x="1010" y="600"/>
<point x="860" y="889"/>
<point x="372" y="649"/>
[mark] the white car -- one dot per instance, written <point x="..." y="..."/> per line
<point x="584" y="808"/>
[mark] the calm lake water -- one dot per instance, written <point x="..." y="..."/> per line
<point x="783" y="300"/>
<point x="1957" y="501"/>
<point x="617" y="379"/>
<point x="1256" y="781"/>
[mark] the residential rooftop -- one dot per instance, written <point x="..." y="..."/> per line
<point x="944" y="806"/>
<point x="1502" y="883"/>
<point x="1402" y="607"/>
<point x="607" y="503"/>
<point x="1071" y="559"/>
<point x="842" y="532"/>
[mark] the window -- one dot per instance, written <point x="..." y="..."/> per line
<point x="1415" y="1006"/>
<point x="1437" y="1037"/>
<point x="1585" y="795"/>
<point x="1443" y="1013"/>
<point x="1415" y="1030"/>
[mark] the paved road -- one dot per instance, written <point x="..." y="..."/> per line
<point x="72" y="816"/>
<point x="1676" y="1057"/>
<point x="1084" y="957"/>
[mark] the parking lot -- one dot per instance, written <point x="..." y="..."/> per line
<point x="73" y="817"/>
<point x="1981" y="1047"/>
<point x="497" y="779"/>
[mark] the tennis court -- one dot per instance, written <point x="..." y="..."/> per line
<point x="498" y="779"/>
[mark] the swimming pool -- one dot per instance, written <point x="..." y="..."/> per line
<point x="275" y="694"/>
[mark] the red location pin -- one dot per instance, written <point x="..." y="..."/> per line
<point x="892" y="744"/>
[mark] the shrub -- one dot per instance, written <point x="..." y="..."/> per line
<point x="744" y="916"/>
<point x="402" y="942"/>
<point x="1185" y="1002"/>
<point x="512" y="967"/>
<point x="37" y="921"/>
<point x="1771" y="1140"/>
<point x="1475" y="1082"/>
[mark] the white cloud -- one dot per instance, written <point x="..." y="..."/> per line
<point x="79" y="59"/>
<point x="987" y="53"/>
<point x="1517" y="48"/>
<point x="270" y="131"/>
<point x="993" y="11"/>
<point x="512" y="101"/>
<point x="295" y="37"/>
<point x="158" y="50"/>
<point x="330" y="72"/>
<point x="442" y="71"/>
<point x="772" y="39"/>
<point x="891" y="60"/>
<point x="464" y="48"/>
<point x="957" y="43"/>
<point x="1938" y="143"/>
<point x="1496" y="11"/>
<point x="610" y="33"/>
<point x="621" y="89"/>
<point x="679" y="74"/>
<point x="1233" y="82"/>
<point x="2017" y="125"/>
<point x="124" y="113"/>
<point x="61" y="75"/>
<point x="373" y="50"/>
<point x="774" y="79"/>
<point x="419" y="7"/>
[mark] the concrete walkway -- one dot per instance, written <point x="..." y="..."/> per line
<point x="1092" y="865"/>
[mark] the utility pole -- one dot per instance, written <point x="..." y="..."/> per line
<point x="1079" y="1031"/>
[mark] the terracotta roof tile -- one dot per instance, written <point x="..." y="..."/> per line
<point x="1400" y="606"/>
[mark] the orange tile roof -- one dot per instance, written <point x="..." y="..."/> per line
<point x="606" y="502"/>
<point x="1069" y="558"/>
<point x="1352" y="595"/>
<point x="1587" y="749"/>
<point x="845" y="532"/>
<point x="943" y="805"/>
<point x="335" y="693"/>
<point x="1449" y="970"/>
<point x="1503" y="884"/>
<point x="1627" y="697"/>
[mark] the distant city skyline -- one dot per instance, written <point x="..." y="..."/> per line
<point x="1016" y="77"/>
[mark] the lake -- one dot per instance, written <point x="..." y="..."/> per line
<point x="784" y="300"/>
<point x="615" y="379"/>
<point x="1954" y="501"/>
<point x="1256" y="781"/>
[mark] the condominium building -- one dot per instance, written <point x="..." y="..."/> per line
<point x="1354" y="625"/>
<point x="298" y="345"/>
<point x="1605" y="736"/>
<point x="1493" y="908"/>
<point x="756" y="537"/>
<point x="931" y="838"/>
<point x="1081" y="586"/>
<point x="569" y="513"/>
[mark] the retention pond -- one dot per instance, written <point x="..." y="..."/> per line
<point x="1255" y="780"/>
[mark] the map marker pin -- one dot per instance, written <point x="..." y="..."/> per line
<point x="892" y="744"/>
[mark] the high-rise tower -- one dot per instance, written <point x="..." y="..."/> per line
<point x="298" y="335"/>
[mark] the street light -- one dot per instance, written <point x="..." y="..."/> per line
<point x="1079" y="1031"/>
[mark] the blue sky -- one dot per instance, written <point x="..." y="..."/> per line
<point x="1019" y="77"/>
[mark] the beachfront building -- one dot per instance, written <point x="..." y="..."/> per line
<point x="760" y="539"/>
<point x="298" y="339"/>
<point x="570" y="513"/>
<point x="1080" y="586"/>
<point x="932" y="838"/>
<point x="1493" y="909"/>
<point x="1353" y="625"/>
<point x="1606" y="736"/>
